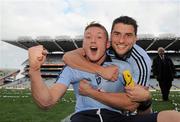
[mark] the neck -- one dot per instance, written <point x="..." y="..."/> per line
<point x="125" y="56"/>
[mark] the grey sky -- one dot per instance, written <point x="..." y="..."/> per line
<point x="69" y="17"/>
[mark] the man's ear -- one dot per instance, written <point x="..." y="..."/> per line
<point x="108" y="44"/>
<point x="135" y="40"/>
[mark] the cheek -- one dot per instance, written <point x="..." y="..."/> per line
<point x="116" y="39"/>
<point x="102" y="46"/>
<point x="102" y="51"/>
<point x="112" y="42"/>
<point x="130" y="42"/>
<point x="85" y="45"/>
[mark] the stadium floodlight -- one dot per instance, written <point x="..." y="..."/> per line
<point x="145" y="36"/>
<point x="24" y="38"/>
<point x="63" y="37"/>
<point x="167" y="36"/>
<point x="43" y="38"/>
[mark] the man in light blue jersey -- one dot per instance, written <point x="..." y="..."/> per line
<point x="87" y="109"/>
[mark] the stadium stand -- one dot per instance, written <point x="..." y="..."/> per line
<point x="66" y="43"/>
<point x="59" y="45"/>
<point x="10" y="77"/>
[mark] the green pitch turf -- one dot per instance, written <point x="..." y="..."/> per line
<point x="18" y="106"/>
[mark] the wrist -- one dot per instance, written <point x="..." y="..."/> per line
<point x="92" y="92"/>
<point x="34" y="68"/>
<point x="33" y="71"/>
<point x="99" y="70"/>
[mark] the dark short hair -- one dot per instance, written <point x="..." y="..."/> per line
<point x="96" y="24"/>
<point x="125" y="20"/>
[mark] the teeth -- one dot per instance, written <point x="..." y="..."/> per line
<point x="121" y="46"/>
<point x="93" y="47"/>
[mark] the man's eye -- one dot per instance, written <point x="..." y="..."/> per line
<point x="116" y="34"/>
<point x="129" y="35"/>
<point x="99" y="37"/>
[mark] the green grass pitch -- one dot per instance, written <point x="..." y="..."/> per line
<point x="18" y="106"/>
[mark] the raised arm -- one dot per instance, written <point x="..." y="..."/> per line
<point x="76" y="59"/>
<point x="45" y="97"/>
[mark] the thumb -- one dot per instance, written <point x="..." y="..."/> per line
<point x="85" y="81"/>
<point x="43" y="55"/>
<point x="127" y="87"/>
<point x="44" y="52"/>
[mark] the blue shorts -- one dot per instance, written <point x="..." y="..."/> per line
<point x="111" y="116"/>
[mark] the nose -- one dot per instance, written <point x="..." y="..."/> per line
<point x="93" y="40"/>
<point x="122" y="38"/>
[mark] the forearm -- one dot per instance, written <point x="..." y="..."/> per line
<point x="116" y="100"/>
<point x="40" y="91"/>
<point x="77" y="60"/>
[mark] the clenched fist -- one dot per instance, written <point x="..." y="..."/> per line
<point x="37" y="56"/>
<point x="84" y="87"/>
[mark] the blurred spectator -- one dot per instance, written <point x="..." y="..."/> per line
<point x="163" y="70"/>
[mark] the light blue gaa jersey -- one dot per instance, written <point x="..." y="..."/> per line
<point x="73" y="76"/>
<point x="140" y="64"/>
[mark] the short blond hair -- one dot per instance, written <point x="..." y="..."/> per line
<point x="96" y="24"/>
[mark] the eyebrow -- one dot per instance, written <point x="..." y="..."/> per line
<point x="117" y="32"/>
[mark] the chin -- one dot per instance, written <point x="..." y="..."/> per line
<point x="123" y="51"/>
<point x="120" y="54"/>
<point x="94" y="59"/>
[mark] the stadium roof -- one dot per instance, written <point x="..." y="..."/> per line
<point x="66" y="43"/>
